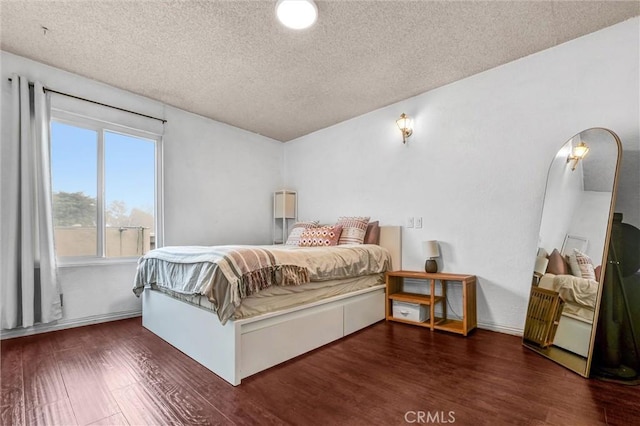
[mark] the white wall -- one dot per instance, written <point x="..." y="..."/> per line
<point x="218" y="182"/>
<point x="590" y="220"/>
<point x="476" y="166"/>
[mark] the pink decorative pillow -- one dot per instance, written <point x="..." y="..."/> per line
<point x="297" y="229"/>
<point x="353" y="229"/>
<point x="557" y="265"/>
<point x="321" y="236"/>
<point x="372" y="235"/>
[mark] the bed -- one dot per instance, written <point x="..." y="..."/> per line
<point x="576" y="322"/>
<point x="238" y="341"/>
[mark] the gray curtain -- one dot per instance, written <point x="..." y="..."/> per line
<point x="30" y="288"/>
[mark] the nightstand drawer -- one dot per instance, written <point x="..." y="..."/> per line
<point x="410" y="311"/>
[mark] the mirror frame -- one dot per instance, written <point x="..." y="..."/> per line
<point x="571" y="361"/>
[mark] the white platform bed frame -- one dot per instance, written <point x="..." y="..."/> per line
<point x="573" y="334"/>
<point x="245" y="347"/>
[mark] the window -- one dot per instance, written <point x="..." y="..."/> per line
<point x="105" y="189"/>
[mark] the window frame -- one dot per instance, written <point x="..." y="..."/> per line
<point x="100" y="126"/>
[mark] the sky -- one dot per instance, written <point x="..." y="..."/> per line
<point x="129" y="165"/>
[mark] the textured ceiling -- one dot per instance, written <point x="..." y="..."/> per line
<point x="231" y="61"/>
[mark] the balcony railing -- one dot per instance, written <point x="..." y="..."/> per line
<point x="121" y="241"/>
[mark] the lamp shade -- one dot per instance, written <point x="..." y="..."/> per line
<point x="430" y="249"/>
<point x="404" y="122"/>
<point x="541" y="265"/>
<point x="285" y="205"/>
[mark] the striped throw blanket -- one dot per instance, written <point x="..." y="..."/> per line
<point x="251" y="269"/>
<point x="246" y="269"/>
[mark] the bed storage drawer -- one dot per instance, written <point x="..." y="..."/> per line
<point x="363" y="311"/>
<point x="297" y="332"/>
<point x="288" y="338"/>
<point x="410" y="311"/>
<point x="573" y="335"/>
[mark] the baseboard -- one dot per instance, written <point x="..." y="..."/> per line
<point x="96" y="319"/>
<point x="61" y="325"/>
<point x="491" y="326"/>
<point x="500" y="328"/>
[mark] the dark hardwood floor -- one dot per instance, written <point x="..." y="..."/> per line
<point x="119" y="373"/>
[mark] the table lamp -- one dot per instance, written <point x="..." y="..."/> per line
<point x="431" y="251"/>
<point x="541" y="265"/>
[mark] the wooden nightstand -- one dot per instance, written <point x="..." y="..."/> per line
<point x="395" y="284"/>
<point x="536" y="279"/>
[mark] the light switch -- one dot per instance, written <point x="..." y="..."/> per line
<point x="409" y="223"/>
<point x="417" y="222"/>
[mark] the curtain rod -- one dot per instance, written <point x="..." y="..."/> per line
<point x="46" y="89"/>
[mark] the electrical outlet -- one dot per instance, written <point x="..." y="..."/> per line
<point x="417" y="222"/>
<point x="409" y="223"/>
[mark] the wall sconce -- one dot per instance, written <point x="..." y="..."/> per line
<point x="404" y="124"/>
<point x="578" y="153"/>
<point x="431" y="250"/>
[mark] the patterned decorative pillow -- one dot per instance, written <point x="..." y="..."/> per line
<point x="372" y="235"/>
<point x="574" y="268"/>
<point x="353" y="229"/>
<point x="585" y="264"/>
<point x="321" y="236"/>
<point x="297" y="229"/>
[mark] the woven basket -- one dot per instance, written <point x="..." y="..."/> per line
<point x="543" y="316"/>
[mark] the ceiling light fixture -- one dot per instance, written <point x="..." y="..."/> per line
<point x="297" y="14"/>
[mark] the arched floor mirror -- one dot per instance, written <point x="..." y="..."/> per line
<point x="572" y="249"/>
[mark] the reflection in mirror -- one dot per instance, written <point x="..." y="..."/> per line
<point x="573" y="241"/>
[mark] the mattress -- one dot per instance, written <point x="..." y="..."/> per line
<point x="573" y="334"/>
<point x="278" y="298"/>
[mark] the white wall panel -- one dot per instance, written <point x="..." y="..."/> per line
<point x="219" y="182"/>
